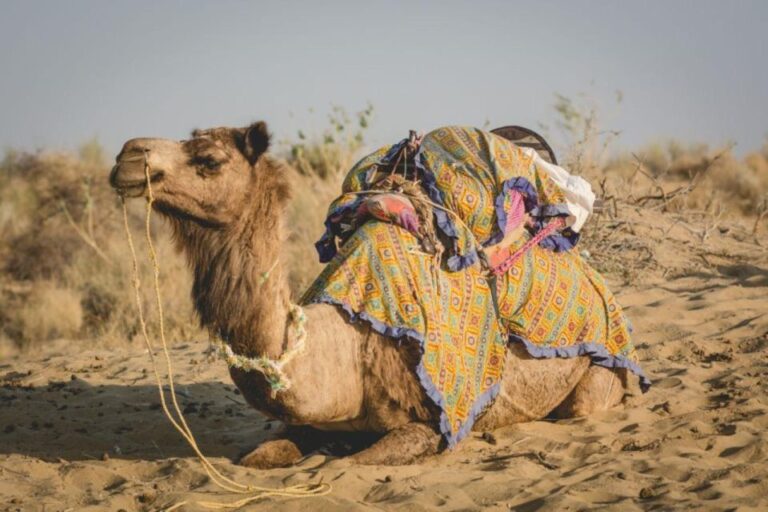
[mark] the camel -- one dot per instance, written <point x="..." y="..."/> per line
<point x="224" y="197"/>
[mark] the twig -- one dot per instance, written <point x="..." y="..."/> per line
<point x="87" y="239"/>
<point x="174" y="507"/>
<point x="679" y="191"/>
<point x="762" y="211"/>
<point x="20" y="473"/>
<point x="709" y="227"/>
<point x="88" y="207"/>
<point x="662" y="194"/>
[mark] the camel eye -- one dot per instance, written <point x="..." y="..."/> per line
<point x="212" y="164"/>
<point x="207" y="164"/>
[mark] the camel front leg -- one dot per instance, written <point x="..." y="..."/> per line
<point x="403" y="445"/>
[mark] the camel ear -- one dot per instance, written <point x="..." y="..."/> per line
<point x="256" y="141"/>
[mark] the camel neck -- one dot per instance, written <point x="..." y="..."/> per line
<point x="240" y="290"/>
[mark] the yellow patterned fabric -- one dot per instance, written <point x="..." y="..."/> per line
<point x="550" y="299"/>
<point x="381" y="276"/>
<point x="557" y="305"/>
<point x="471" y="167"/>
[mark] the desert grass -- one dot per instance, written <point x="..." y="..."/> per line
<point x="63" y="259"/>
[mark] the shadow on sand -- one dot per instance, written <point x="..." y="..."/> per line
<point x="74" y="420"/>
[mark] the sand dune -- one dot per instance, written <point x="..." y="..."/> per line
<point x="81" y="429"/>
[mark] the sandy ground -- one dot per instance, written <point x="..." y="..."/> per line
<point x="81" y="429"/>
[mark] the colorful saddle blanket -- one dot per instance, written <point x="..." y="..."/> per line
<point x="549" y="299"/>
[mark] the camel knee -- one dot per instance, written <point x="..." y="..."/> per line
<point x="598" y="390"/>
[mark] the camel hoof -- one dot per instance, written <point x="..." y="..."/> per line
<point x="280" y="453"/>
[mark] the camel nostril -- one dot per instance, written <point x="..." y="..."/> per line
<point x="134" y="150"/>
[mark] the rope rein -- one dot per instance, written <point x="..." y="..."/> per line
<point x="180" y="423"/>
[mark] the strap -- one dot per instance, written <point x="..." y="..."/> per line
<point x="547" y="230"/>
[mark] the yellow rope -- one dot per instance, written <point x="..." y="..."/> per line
<point x="297" y="491"/>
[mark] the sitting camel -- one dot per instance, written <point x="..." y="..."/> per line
<point x="225" y="199"/>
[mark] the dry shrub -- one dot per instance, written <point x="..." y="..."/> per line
<point x="693" y="178"/>
<point x="734" y="184"/>
<point x="318" y="166"/>
<point x="664" y="188"/>
<point x="587" y="143"/>
<point x="49" y="312"/>
<point x="63" y="246"/>
<point x="65" y="267"/>
<point x="306" y="217"/>
<point x="332" y="152"/>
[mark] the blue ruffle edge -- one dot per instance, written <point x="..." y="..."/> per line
<point x="326" y="246"/>
<point x="597" y="353"/>
<point x="456" y="261"/>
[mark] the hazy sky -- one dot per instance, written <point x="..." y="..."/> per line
<point x="73" y="70"/>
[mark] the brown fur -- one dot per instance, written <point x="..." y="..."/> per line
<point x="225" y="201"/>
<point x="599" y="390"/>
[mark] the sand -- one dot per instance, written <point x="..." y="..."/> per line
<point x="81" y="428"/>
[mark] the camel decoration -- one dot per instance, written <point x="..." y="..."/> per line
<point x="224" y="197"/>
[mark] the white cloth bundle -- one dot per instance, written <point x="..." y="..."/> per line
<point x="579" y="197"/>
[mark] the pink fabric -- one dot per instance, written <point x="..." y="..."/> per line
<point x="393" y="208"/>
<point x="515" y="211"/>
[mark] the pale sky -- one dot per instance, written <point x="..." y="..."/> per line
<point x="74" y="70"/>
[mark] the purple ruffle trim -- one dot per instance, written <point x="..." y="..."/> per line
<point x="597" y="353"/>
<point x="456" y="261"/>
<point x="563" y="240"/>
<point x="442" y="219"/>
<point x="400" y="333"/>
<point x="326" y="246"/>
<point x="461" y="261"/>
<point x="444" y="223"/>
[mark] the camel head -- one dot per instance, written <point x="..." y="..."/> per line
<point x="210" y="180"/>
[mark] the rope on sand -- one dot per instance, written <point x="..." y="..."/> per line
<point x="180" y="423"/>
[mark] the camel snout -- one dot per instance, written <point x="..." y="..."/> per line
<point x="128" y="176"/>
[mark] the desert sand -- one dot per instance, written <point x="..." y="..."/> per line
<point x="81" y="427"/>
